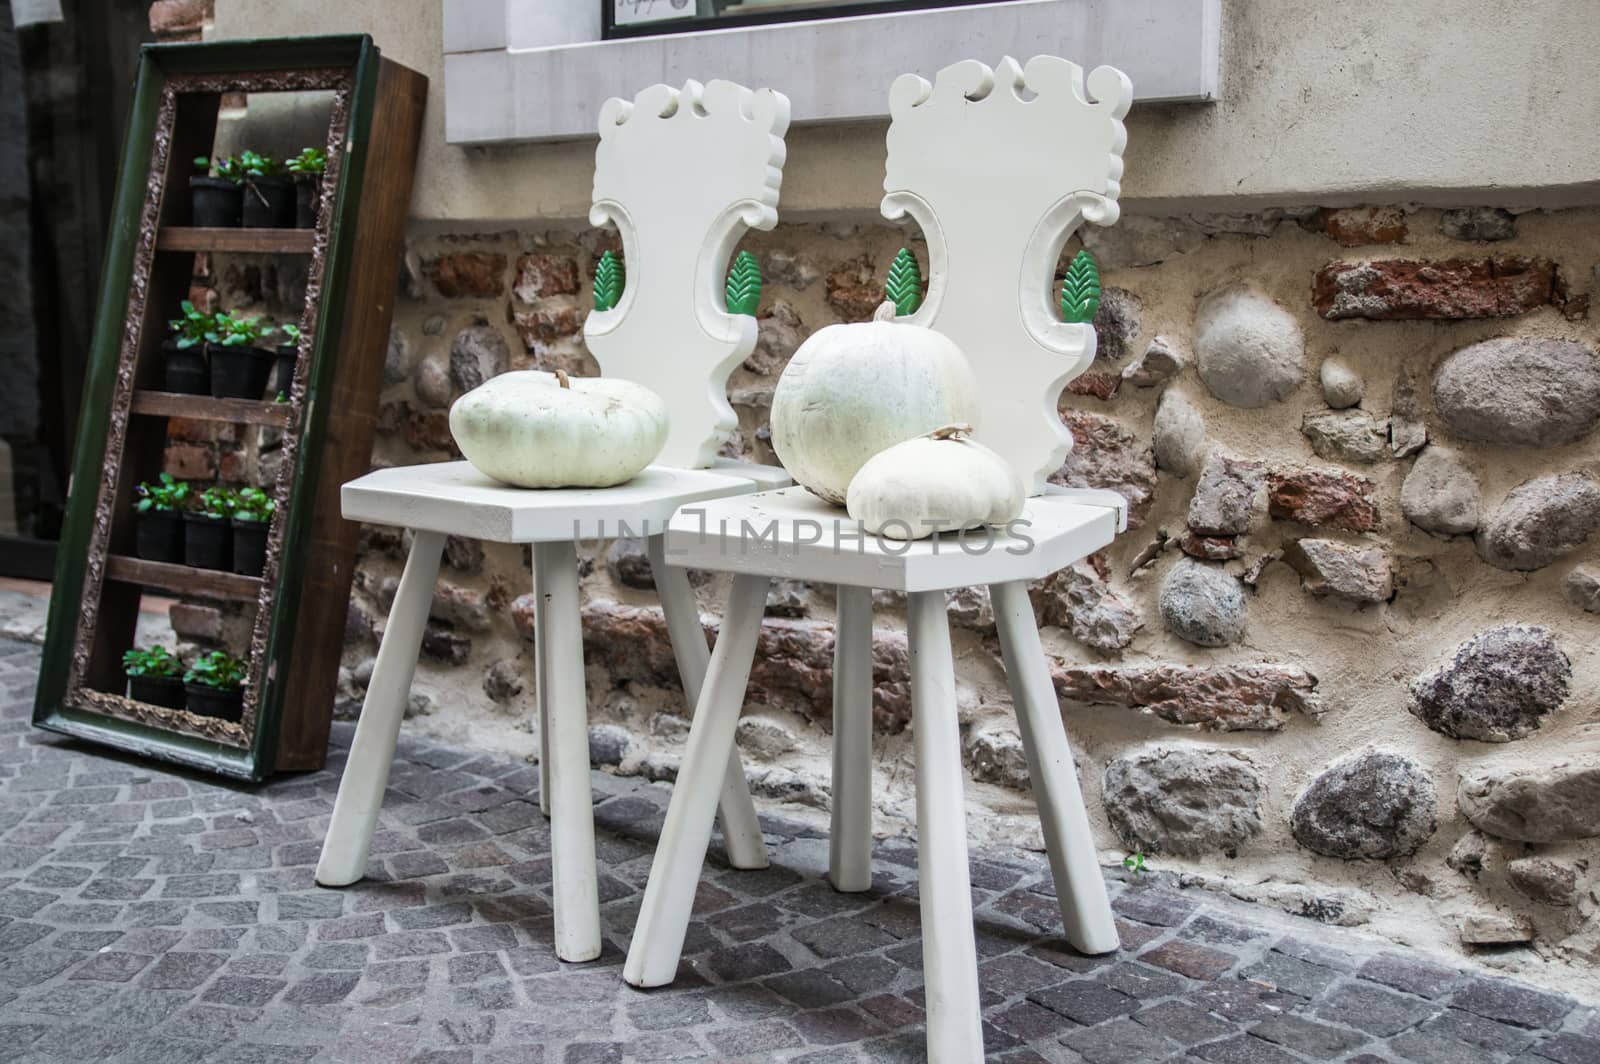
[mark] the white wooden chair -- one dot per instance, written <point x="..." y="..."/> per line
<point x="999" y="168"/>
<point x="683" y="173"/>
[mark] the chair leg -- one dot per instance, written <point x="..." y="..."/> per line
<point x="577" y="894"/>
<point x="850" y="832"/>
<point x="541" y="702"/>
<point x="949" y="949"/>
<point x="1080" y="888"/>
<point x="741" y="828"/>
<point x="366" y="772"/>
<point x="669" y="896"/>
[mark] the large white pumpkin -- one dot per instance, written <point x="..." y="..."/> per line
<point x="545" y="430"/>
<point x="940" y="482"/>
<point x="851" y="391"/>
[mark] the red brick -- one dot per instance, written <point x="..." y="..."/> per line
<point x="1354" y="226"/>
<point x="193" y="621"/>
<point x="1450" y="289"/>
<point x="539" y="276"/>
<point x="1107" y="454"/>
<point x="230" y="466"/>
<point x="547" y="325"/>
<point x="429" y="430"/>
<point x="1210" y="548"/>
<point x="190" y="461"/>
<point x="1095" y="385"/>
<point x="173" y="18"/>
<point x="464" y="274"/>
<point x="793" y="664"/>
<point x="854" y="290"/>
<point x="1323" y="499"/>
<point x="1217" y="698"/>
<point x="188" y="430"/>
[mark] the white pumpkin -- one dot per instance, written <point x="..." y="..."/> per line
<point x="545" y="430"/>
<point x="940" y="482"/>
<point x="851" y="391"/>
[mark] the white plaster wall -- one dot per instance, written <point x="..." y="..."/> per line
<point x="1435" y="101"/>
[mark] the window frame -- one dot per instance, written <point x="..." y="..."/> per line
<point x="532" y="71"/>
<point x="610" y="31"/>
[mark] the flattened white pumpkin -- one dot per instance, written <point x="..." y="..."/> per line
<point x="941" y="482"/>
<point x="851" y="391"/>
<point x="533" y="429"/>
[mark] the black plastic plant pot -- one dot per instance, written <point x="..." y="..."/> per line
<point x="185" y="369"/>
<point x="239" y="372"/>
<point x="158" y="536"/>
<point x="206" y="701"/>
<point x="156" y="691"/>
<point x="215" y="202"/>
<point x="269" y="202"/>
<point x="283" y="370"/>
<point x="207" y="541"/>
<point x="249" y="547"/>
<point x="307" y="200"/>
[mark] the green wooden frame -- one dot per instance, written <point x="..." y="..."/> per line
<point x="329" y="421"/>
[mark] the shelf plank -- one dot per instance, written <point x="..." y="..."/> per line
<point x="258" y="241"/>
<point x="184" y="579"/>
<point x="207" y="408"/>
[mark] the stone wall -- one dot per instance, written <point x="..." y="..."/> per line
<point x="1344" y="658"/>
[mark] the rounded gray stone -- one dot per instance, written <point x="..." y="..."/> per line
<point x="1519" y="392"/>
<point x="478" y="353"/>
<point x="1373" y="805"/>
<point x="503" y="681"/>
<point x="608" y="744"/>
<point x="1203" y="604"/>
<point x="1250" y="351"/>
<point x="1341" y="386"/>
<point x="1539" y="521"/>
<point x="399" y="358"/>
<point x="1498" y="686"/>
<point x="1582" y="588"/>
<point x="1440" y="493"/>
<point x="1184" y="801"/>
<point x="1179" y="435"/>
<point x="431" y="381"/>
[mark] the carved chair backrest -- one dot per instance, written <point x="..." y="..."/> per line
<point x="999" y="168"/>
<point x="682" y="174"/>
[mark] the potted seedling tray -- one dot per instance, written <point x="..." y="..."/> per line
<point x="252" y="517"/>
<point x="155" y="677"/>
<point x="214" y="686"/>
<point x="208" y="531"/>
<point x="158" y="536"/>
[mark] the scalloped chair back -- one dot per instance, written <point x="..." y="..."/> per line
<point x="682" y="174"/>
<point x="999" y="167"/>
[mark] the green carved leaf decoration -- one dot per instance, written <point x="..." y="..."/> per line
<point x="609" y="279"/>
<point x="744" y="285"/>
<point x="1080" y="293"/>
<point x="904" y="288"/>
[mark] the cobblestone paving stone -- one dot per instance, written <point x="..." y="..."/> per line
<point x="148" y="915"/>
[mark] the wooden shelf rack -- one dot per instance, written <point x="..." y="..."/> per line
<point x="326" y="425"/>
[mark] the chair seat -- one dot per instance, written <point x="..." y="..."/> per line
<point x="791" y="533"/>
<point x="456" y="499"/>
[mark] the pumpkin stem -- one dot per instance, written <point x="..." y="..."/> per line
<point x="959" y="431"/>
<point x="885" y="312"/>
<point x="561" y="378"/>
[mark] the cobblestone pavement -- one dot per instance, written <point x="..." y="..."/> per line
<point x="151" y="916"/>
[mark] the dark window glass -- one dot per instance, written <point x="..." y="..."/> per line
<point x="637" y="18"/>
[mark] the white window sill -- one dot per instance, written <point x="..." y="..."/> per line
<point x="531" y="70"/>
